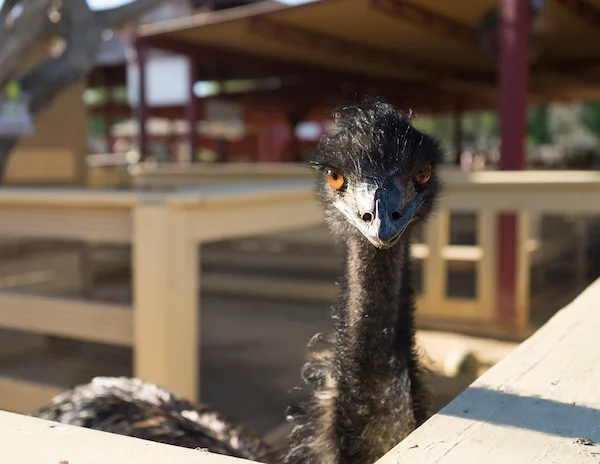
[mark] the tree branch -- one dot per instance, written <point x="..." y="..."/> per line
<point x="5" y="10"/>
<point x="48" y="79"/>
<point x="20" y="40"/>
<point x="121" y="15"/>
<point x="82" y="30"/>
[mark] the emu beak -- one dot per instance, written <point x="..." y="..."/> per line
<point x="381" y="217"/>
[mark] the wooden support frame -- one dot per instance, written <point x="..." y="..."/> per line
<point x="166" y="230"/>
<point x="415" y="14"/>
<point x="585" y="10"/>
<point x="539" y="401"/>
<point x="166" y="305"/>
<point x="27" y="439"/>
<point x="317" y="77"/>
<point x="319" y="42"/>
<point x="142" y="109"/>
<point x="434" y="75"/>
<point x="192" y="110"/>
<point x="457" y="133"/>
<point x="86" y="321"/>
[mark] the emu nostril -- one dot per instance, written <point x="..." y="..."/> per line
<point x="367" y="217"/>
<point x="396" y="215"/>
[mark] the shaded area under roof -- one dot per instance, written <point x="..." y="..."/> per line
<point x="425" y="52"/>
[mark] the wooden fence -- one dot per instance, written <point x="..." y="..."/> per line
<point x="166" y="229"/>
<point x="539" y="404"/>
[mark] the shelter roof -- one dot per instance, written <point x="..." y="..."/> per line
<point x="405" y="46"/>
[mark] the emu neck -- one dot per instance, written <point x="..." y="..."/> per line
<point x="376" y="371"/>
<point x="375" y="324"/>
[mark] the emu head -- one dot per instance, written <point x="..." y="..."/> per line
<point x="377" y="173"/>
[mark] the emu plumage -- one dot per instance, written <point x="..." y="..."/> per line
<point x="368" y="386"/>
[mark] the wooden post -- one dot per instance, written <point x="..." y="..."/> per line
<point x="436" y="266"/>
<point x="458" y="135"/>
<point x="523" y="273"/>
<point x="192" y="113"/>
<point x="581" y="258"/>
<point x="166" y="336"/>
<point x="514" y="28"/>
<point x="142" y="109"/>
<point x="487" y="238"/>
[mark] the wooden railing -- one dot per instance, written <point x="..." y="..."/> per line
<point x="27" y="440"/>
<point x="165" y="232"/>
<point x="166" y="229"/>
<point x="541" y="403"/>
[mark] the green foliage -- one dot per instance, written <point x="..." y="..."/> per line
<point x="590" y="116"/>
<point x="96" y="125"/>
<point x="538" y="130"/>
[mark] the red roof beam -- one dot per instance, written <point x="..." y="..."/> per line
<point x="420" y="16"/>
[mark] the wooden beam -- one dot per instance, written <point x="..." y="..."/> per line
<point x="579" y="64"/>
<point x="421" y="16"/>
<point x="579" y="71"/>
<point x="191" y="111"/>
<point x="97" y="322"/>
<point x="142" y="109"/>
<point x="166" y="314"/>
<point x="27" y="438"/>
<point x="238" y="60"/>
<point x="435" y="75"/>
<point x="584" y="10"/>
<point x="23" y="396"/>
<point x="536" y="405"/>
<point x="458" y="134"/>
<point x="328" y="44"/>
<point x="459" y="90"/>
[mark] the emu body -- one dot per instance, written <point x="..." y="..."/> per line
<point x="142" y="410"/>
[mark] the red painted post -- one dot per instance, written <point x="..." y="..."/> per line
<point x="513" y="80"/>
<point x="142" y="109"/>
<point x="192" y="113"/>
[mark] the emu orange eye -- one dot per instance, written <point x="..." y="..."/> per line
<point x="335" y="179"/>
<point x="423" y="174"/>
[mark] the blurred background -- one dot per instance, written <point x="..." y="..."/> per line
<point x="108" y="107"/>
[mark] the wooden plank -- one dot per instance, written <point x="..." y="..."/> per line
<point x="66" y="197"/>
<point x="487" y="236"/>
<point x="435" y="267"/>
<point x="24" y="397"/>
<point x="525" y="260"/>
<point x="81" y="320"/>
<point x="530" y="407"/>
<point x="555" y="199"/>
<point x="166" y="315"/>
<point x="28" y="440"/>
<point x="210" y="224"/>
<point x="268" y="287"/>
<point x="461" y="253"/>
<point x="90" y="224"/>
